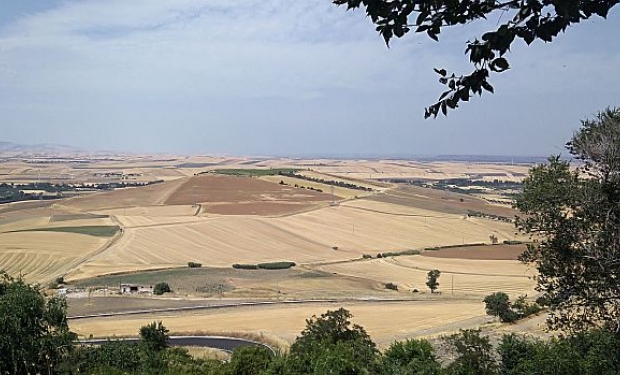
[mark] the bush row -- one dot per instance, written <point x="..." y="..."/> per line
<point x="265" y="266"/>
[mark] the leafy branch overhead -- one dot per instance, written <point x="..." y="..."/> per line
<point x="528" y="20"/>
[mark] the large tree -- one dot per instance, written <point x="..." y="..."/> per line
<point x="528" y="20"/>
<point x="574" y="215"/>
<point x="34" y="335"/>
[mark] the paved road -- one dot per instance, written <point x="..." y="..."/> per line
<point x="218" y="342"/>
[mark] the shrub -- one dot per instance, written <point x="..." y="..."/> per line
<point x="366" y="256"/>
<point x="512" y="242"/>
<point x="335" y="247"/>
<point x="194" y="265"/>
<point x="161" y="288"/>
<point x="60" y="280"/>
<point x="415" y="291"/>
<point x="250" y="360"/>
<point x="238" y="266"/>
<point x="498" y="304"/>
<point x="391" y="286"/>
<point x="276" y="265"/>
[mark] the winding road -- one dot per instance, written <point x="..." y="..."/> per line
<point x="227" y="344"/>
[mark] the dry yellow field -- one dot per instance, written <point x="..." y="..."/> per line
<point x="43" y="256"/>
<point x="461" y="277"/>
<point x="309" y="237"/>
<point x="385" y="322"/>
<point x="339" y="192"/>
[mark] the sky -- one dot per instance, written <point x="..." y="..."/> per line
<point x="281" y="78"/>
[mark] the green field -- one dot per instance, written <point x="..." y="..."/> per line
<point x="95" y="230"/>
<point x="255" y="172"/>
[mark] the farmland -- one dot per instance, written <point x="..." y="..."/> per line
<point x="224" y="211"/>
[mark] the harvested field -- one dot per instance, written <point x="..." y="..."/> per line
<point x="42" y="256"/>
<point x="339" y="192"/>
<point x="233" y="190"/>
<point x="153" y="211"/>
<point x="489" y="252"/>
<point x="441" y="201"/>
<point x="156" y="221"/>
<point x="385" y="322"/>
<point x="150" y="195"/>
<point x="309" y="237"/>
<point x="293" y="283"/>
<point x="256" y="208"/>
<point x="469" y="277"/>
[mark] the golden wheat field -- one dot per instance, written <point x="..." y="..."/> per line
<point x="459" y="277"/>
<point x="236" y="220"/>
<point x="385" y="322"/>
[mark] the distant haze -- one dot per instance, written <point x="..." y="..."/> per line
<point x="250" y="77"/>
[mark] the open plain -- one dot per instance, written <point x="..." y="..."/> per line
<point x="351" y="227"/>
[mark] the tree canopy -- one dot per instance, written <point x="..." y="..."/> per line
<point x="574" y="215"/>
<point x="34" y="335"/>
<point x="528" y="20"/>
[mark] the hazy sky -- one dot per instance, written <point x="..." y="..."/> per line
<point x="280" y="77"/>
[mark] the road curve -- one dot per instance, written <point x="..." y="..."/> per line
<point x="227" y="344"/>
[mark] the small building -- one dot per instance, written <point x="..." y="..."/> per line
<point x="136" y="289"/>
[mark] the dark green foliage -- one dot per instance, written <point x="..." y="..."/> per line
<point x="194" y="265"/>
<point x="588" y="353"/>
<point x="391" y="286"/>
<point x="60" y="280"/>
<point x="432" y="280"/>
<point x="575" y="217"/>
<point x="498" y="304"/>
<point x="473" y="354"/>
<point x="94" y="230"/>
<point x="411" y="357"/>
<point x="485" y="215"/>
<point x="238" y="266"/>
<point x="253" y="172"/>
<point x="161" y="288"/>
<point x="34" y="335"/>
<point x="330" y="344"/>
<point x="265" y="266"/>
<point x="512" y="242"/>
<point x="526" y="20"/>
<point x="400" y="253"/>
<point x="250" y="360"/>
<point x="366" y="256"/>
<point x="276" y="265"/>
<point x="154" y="336"/>
<point x="325" y="182"/>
